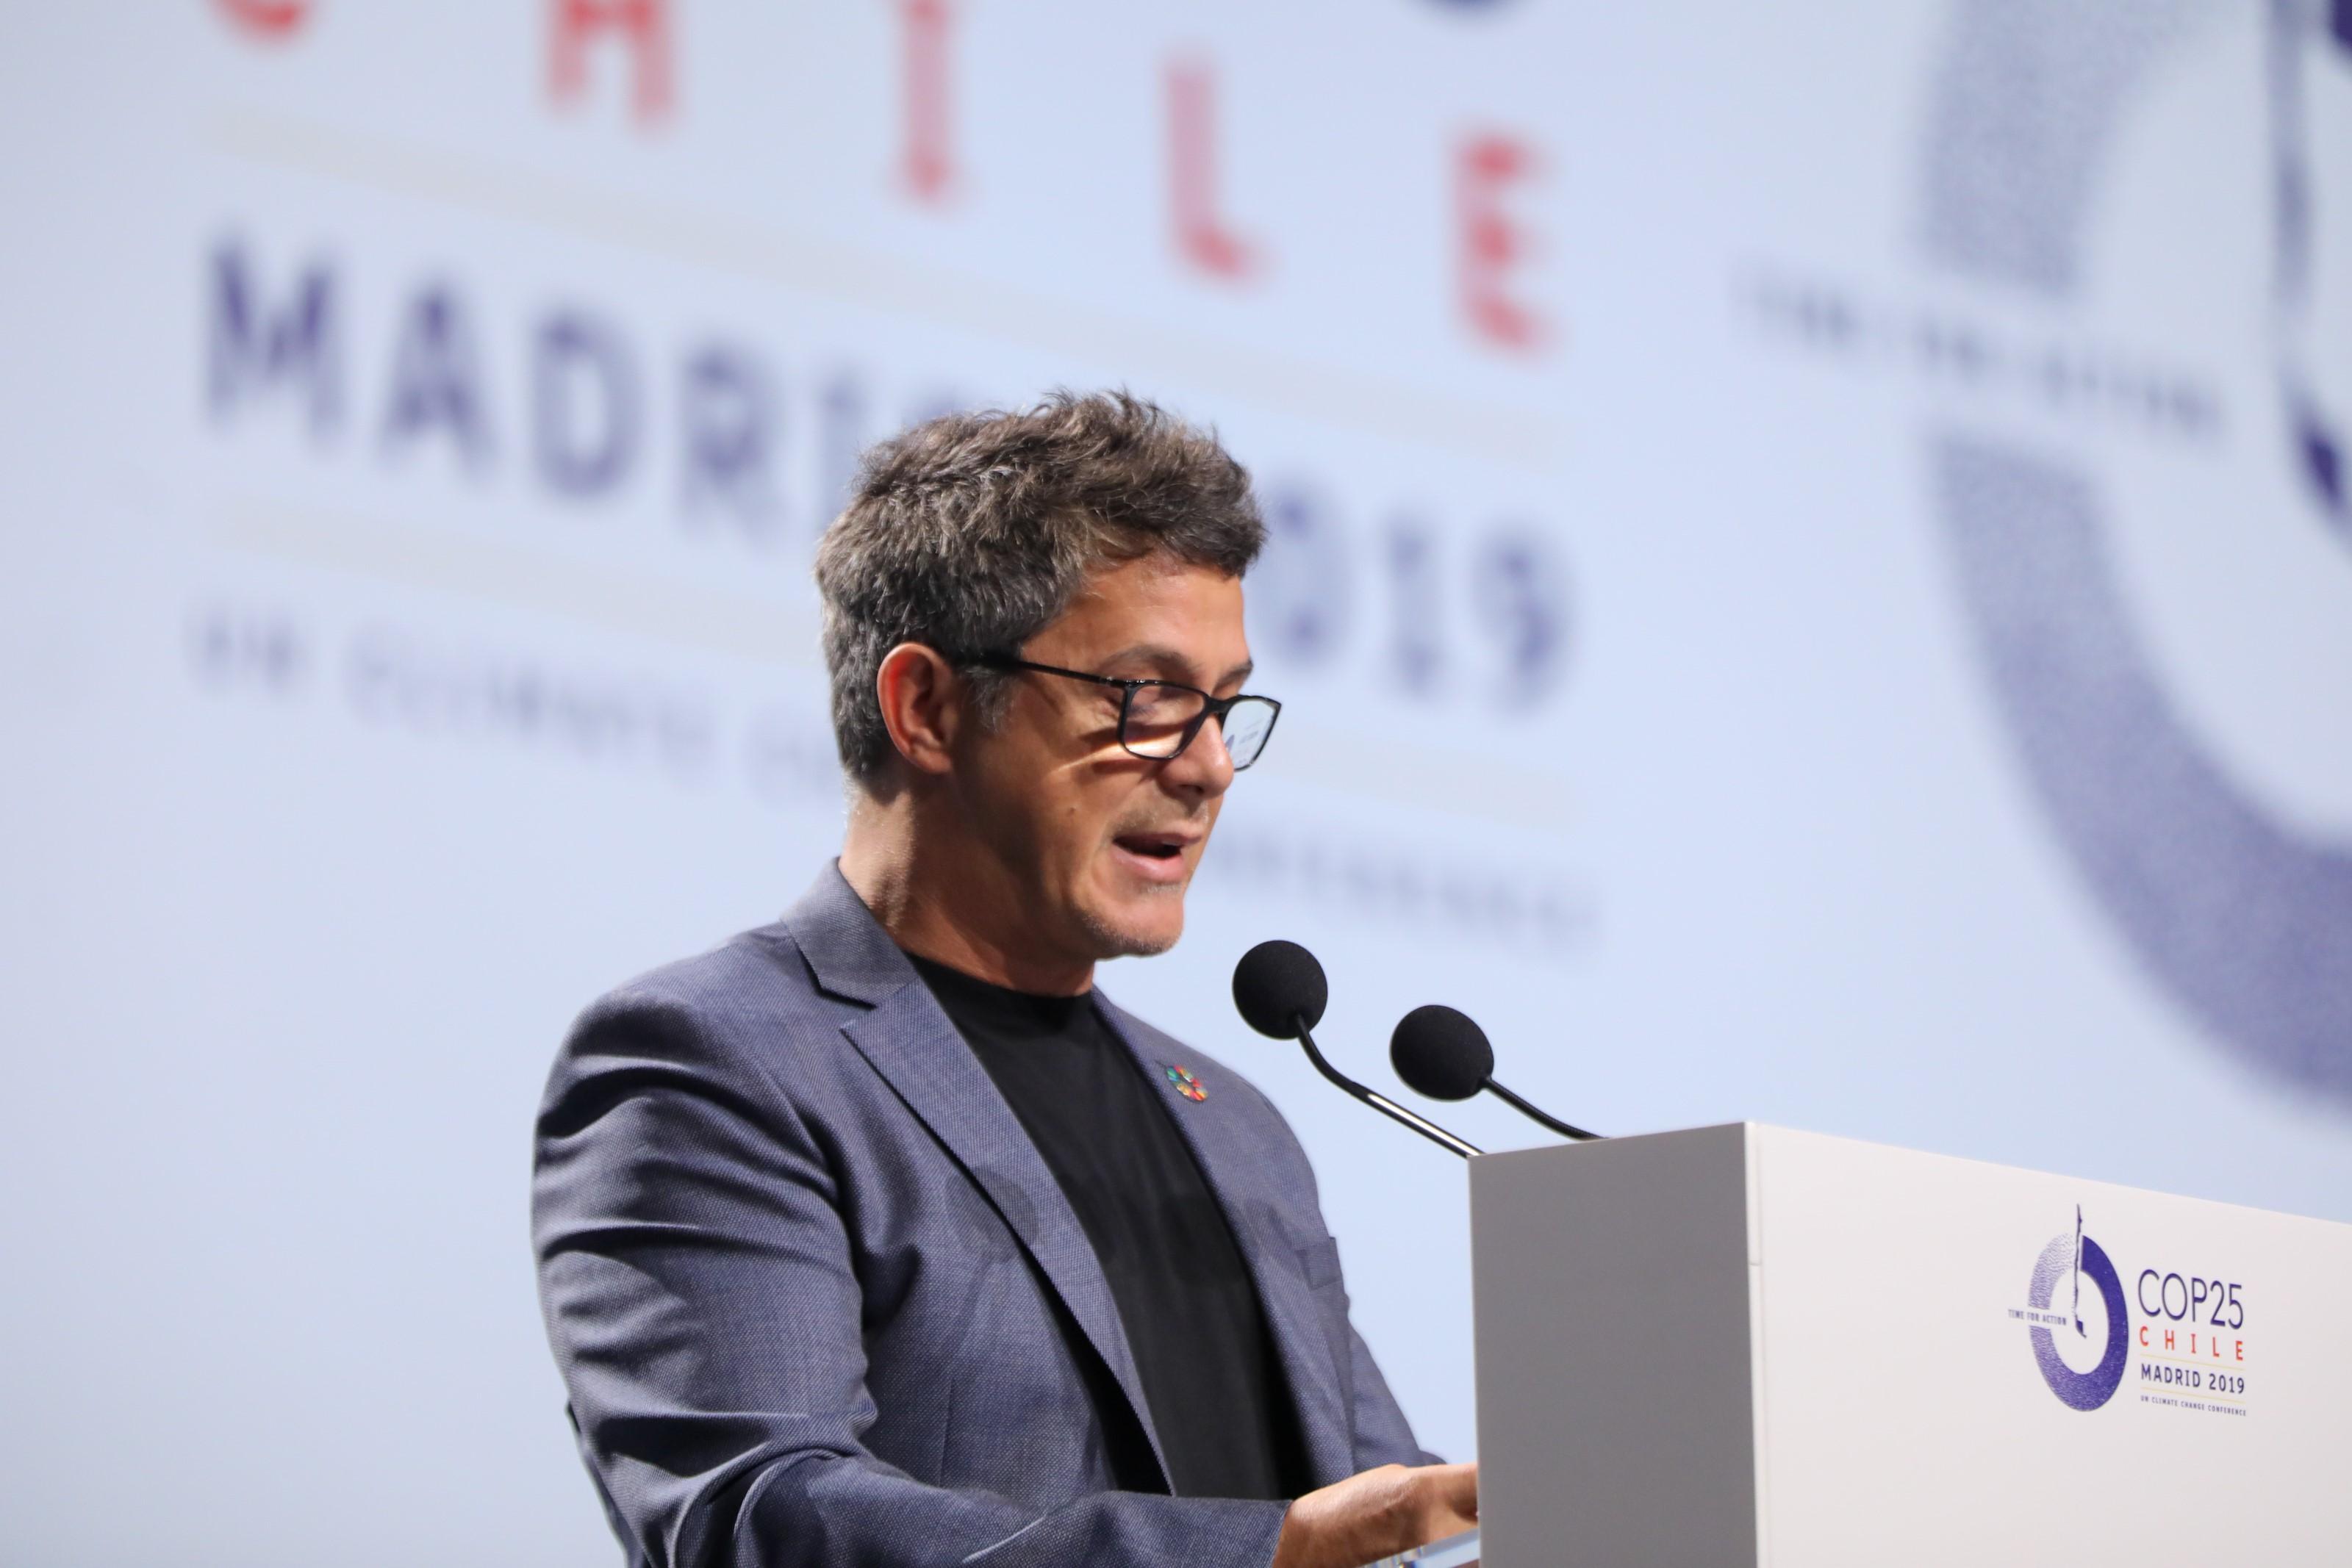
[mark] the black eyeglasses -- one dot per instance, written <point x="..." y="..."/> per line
<point x="1158" y="719"/>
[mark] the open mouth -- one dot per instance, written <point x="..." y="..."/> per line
<point x="1152" y="846"/>
<point x="1155" y="858"/>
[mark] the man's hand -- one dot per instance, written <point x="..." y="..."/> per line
<point x="1370" y="1516"/>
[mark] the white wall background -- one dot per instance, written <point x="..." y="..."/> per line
<point x="1637" y="703"/>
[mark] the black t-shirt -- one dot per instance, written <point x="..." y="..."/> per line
<point x="1199" y="1336"/>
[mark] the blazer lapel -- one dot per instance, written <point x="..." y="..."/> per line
<point x="1229" y="1157"/>
<point x="909" y="1041"/>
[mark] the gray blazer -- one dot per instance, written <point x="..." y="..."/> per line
<point x="817" y="1298"/>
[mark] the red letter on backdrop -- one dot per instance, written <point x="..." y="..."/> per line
<point x="644" y="24"/>
<point x="926" y="166"/>
<point x="1202" y="238"/>
<point x="1491" y="243"/>
<point x="271" y="19"/>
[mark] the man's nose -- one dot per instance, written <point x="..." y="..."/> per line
<point x="1205" y="766"/>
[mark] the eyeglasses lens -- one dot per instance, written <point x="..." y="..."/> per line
<point x="1246" y="726"/>
<point x="1157" y="719"/>
<point x="1160" y="717"/>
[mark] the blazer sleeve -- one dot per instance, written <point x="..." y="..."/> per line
<point x="1382" y="1436"/>
<point x="697" y="1286"/>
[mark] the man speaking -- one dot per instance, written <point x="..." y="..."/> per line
<point x="878" y="1236"/>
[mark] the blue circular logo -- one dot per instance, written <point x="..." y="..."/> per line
<point x="2079" y="1390"/>
<point x="2242" y="913"/>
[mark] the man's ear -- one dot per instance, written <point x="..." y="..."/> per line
<point x="919" y="692"/>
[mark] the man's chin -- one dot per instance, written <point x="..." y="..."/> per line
<point x="1136" y="933"/>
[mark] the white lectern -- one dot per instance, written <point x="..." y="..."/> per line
<point x="1746" y="1345"/>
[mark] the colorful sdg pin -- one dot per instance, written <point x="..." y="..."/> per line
<point x="1186" y="1085"/>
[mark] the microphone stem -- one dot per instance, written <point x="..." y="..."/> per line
<point x="1524" y="1109"/>
<point x="1384" y="1106"/>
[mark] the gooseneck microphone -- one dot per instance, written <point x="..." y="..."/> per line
<point x="1442" y="1053"/>
<point x="1281" y="992"/>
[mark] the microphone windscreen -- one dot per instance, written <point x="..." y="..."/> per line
<point x="1441" y="1054"/>
<point x="1280" y="987"/>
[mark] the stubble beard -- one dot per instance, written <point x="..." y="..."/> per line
<point x="1110" y="940"/>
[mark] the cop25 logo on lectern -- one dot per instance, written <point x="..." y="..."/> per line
<point x="2190" y="1336"/>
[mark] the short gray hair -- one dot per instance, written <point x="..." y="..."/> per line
<point x="972" y="532"/>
